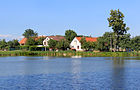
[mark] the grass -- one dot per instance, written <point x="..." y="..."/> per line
<point x="68" y="53"/>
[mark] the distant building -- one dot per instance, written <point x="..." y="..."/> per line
<point x="57" y="38"/>
<point x="76" y="45"/>
<point x="23" y="41"/>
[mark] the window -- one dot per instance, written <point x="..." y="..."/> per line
<point x="44" y="43"/>
<point x="75" y="42"/>
<point x="77" y="47"/>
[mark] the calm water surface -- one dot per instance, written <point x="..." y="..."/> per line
<point x="87" y="73"/>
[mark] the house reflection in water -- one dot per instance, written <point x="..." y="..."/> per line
<point x="76" y="69"/>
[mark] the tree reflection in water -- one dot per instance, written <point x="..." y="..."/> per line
<point x="118" y="77"/>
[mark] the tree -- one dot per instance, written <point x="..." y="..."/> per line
<point x="29" y="33"/>
<point x="40" y="41"/>
<point x="70" y="35"/>
<point x="83" y="39"/>
<point x="52" y="43"/>
<point x="62" y="45"/>
<point x="124" y="41"/>
<point x="87" y="45"/>
<point x="135" y="43"/>
<point x="13" y="43"/>
<point x="84" y="44"/>
<point x="3" y="44"/>
<point x="116" y="21"/>
<point x="104" y="43"/>
<point x="30" y="41"/>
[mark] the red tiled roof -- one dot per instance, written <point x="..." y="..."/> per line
<point x="88" y="39"/>
<point x="36" y="38"/>
<point x="57" y="38"/>
<point x="23" y="41"/>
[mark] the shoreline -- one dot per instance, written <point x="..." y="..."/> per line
<point x="69" y="54"/>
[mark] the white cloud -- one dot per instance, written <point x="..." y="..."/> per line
<point x="10" y="37"/>
<point x="5" y="36"/>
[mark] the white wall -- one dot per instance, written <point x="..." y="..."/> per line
<point x="45" y="42"/>
<point x="75" y="43"/>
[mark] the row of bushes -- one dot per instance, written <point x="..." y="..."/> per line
<point x="29" y="48"/>
<point x="68" y="53"/>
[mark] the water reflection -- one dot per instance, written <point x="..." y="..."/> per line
<point x="89" y="73"/>
<point x="76" y="69"/>
<point x="118" y="77"/>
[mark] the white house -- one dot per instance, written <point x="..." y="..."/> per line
<point x="75" y="44"/>
<point x="57" y="38"/>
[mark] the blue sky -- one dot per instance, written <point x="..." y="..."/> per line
<point x="51" y="17"/>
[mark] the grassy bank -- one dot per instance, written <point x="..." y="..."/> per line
<point x="68" y="53"/>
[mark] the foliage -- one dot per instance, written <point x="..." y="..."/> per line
<point x="36" y="48"/>
<point x="24" y="48"/>
<point x="30" y="41"/>
<point x="40" y="40"/>
<point x="135" y="43"/>
<point x="116" y="21"/>
<point x="84" y="44"/>
<point x="83" y="39"/>
<point x="68" y="53"/>
<point x="52" y="43"/>
<point x="107" y="41"/>
<point x="13" y="43"/>
<point x="104" y="43"/>
<point x="70" y="35"/>
<point x="62" y="45"/>
<point x="87" y="45"/>
<point x="125" y="41"/>
<point x="3" y="44"/>
<point x="29" y="33"/>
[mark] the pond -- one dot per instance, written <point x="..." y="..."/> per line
<point x="53" y="73"/>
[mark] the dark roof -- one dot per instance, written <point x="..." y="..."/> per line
<point x="57" y="38"/>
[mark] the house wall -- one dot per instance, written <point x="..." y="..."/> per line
<point x="76" y="45"/>
<point x="45" y="42"/>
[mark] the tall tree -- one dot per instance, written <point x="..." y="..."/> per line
<point x="70" y="35"/>
<point x="116" y="21"/>
<point x="29" y="33"/>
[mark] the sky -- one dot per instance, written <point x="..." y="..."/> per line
<point x="54" y="17"/>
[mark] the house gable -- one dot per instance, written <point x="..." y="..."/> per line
<point x="45" y="42"/>
<point x="75" y="44"/>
